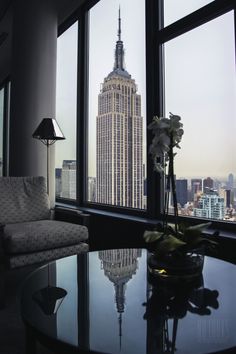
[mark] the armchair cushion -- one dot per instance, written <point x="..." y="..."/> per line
<point x="23" y="199"/>
<point x="42" y="235"/>
<point x="20" y="260"/>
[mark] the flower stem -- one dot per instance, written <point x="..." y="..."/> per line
<point x="173" y="182"/>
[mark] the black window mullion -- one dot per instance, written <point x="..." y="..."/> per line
<point x="154" y="84"/>
<point x="80" y="158"/>
<point x="195" y="19"/>
<point x="235" y="33"/>
<point x="6" y="106"/>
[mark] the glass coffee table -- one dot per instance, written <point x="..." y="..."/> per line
<point x="106" y="302"/>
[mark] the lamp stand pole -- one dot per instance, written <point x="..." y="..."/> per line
<point x="47" y="144"/>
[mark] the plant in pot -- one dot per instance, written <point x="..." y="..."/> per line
<point x="177" y="250"/>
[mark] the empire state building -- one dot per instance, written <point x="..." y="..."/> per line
<point x="119" y="137"/>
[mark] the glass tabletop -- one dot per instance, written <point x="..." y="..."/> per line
<point x="105" y="302"/>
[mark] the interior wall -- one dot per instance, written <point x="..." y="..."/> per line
<point x="33" y="88"/>
<point x="5" y="46"/>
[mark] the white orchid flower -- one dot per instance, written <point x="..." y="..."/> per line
<point x="168" y="133"/>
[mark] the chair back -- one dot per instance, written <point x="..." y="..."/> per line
<point x="23" y="199"/>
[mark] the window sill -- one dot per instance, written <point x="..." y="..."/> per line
<point x="111" y="214"/>
<point x="143" y="220"/>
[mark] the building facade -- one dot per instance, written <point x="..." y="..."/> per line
<point x="210" y="206"/>
<point x="119" y="137"/>
<point x="208" y="184"/>
<point x="68" y="179"/>
<point x="182" y="191"/>
<point x="196" y="188"/>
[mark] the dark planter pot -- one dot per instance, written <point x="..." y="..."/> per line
<point x="173" y="269"/>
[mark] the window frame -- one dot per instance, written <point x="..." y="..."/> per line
<point x="5" y="86"/>
<point x="197" y="18"/>
<point x="156" y="36"/>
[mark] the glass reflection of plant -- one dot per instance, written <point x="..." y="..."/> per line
<point x="173" y="302"/>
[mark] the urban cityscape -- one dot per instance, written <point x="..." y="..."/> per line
<point x="120" y="164"/>
<point x="211" y="198"/>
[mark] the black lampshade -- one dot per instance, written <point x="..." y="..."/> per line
<point x="48" y="130"/>
<point x="49" y="299"/>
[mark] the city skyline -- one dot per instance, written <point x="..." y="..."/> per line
<point x="206" y="198"/>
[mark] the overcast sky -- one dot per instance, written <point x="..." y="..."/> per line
<point x="201" y="88"/>
<point x="199" y="79"/>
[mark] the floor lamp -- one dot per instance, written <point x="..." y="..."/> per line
<point x="48" y="132"/>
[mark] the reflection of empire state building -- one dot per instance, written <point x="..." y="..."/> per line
<point x="119" y="266"/>
<point x="119" y="137"/>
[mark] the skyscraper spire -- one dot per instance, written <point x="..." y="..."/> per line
<point x="119" y="51"/>
<point x="119" y="26"/>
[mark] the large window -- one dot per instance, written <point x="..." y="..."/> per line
<point x="66" y="112"/>
<point x="117" y="104"/>
<point x="200" y="85"/>
<point x="183" y="56"/>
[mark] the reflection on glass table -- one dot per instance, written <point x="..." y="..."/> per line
<point x="49" y="298"/>
<point x="113" y="306"/>
<point x="170" y="303"/>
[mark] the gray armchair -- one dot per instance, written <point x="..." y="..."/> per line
<point x="28" y="233"/>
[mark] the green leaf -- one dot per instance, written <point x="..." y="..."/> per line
<point x="152" y="236"/>
<point x="200" y="227"/>
<point x="169" y="244"/>
<point x="194" y="232"/>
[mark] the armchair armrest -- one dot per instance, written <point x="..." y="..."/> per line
<point x="72" y="215"/>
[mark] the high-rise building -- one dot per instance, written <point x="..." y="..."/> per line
<point x="58" y="181"/>
<point x="208" y="184"/>
<point x="119" y="130"/>
<point x="196" y="188"/>
<point x="210" y="206"/>
<point x="182" y="191"/>
<point x="68" y="179"/>
<point x="230" y="181"/>
<point x="92" y="189"/>
<point x="228" y="198"/>
<point x="228" y="195"/>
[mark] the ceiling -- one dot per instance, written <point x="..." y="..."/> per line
<point x="64" y="9"/>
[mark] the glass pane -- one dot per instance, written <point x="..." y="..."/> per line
<point x="175" y="10"/>
<point x="66" y="107"/>
<point x="1" y="128"/>
<point x="200" y="86"/>
<point x="117" y="86"/>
